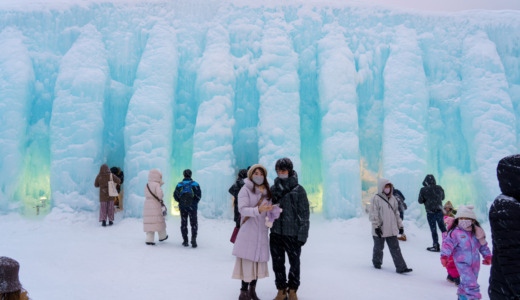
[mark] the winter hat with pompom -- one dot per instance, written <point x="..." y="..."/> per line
<point x="466" y="211"/>
<point x="9" y="275"/>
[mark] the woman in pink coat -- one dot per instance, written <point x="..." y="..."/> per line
<point x="153" y="219"/>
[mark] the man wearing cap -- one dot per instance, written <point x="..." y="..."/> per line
<point x="289" y="232"/>
<point x="10" y="287"/>
<point x="504" y="218"/>
<point x="188" y="194"/>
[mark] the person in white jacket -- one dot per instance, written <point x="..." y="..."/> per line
<point x="153" y="219"/>
<point x="386" y="225"/>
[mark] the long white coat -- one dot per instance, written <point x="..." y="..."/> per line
<point x="153" y="220"/>
<point x="384" y="211"/>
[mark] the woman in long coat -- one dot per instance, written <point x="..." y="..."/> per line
<point x="106" y="203"/>
<point x="153" y="219"/>
<point x="252" y="246"/>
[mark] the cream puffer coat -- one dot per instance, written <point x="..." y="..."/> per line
<point x="153" y="220"/>
<point x="384" y="211"/>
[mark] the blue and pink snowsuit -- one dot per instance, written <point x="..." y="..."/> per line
<point x="465" y="248"/>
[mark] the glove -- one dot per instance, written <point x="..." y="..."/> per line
<point x="444" y="261"/>
<point x="487" y="260"/>
<point x="379" y="232"/>
<point x="301" y="243"/>
<point x="401" y="231"/>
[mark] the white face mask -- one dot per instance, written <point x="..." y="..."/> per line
<point x="258" y="180"/>
<point x="283" y="176"/>
<point x="465" y="224"/>
<point x="387" y="190"/>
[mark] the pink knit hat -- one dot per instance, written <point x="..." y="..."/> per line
<point x="9" y="275"/>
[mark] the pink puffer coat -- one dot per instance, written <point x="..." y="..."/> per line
<point x="153" y="219"/>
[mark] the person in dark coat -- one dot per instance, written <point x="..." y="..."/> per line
<point x="119" y="173"/>
<point x="106" y="203"/>
<point x="290" y="231"/>
<point x="432" y="195"/>
<point x="233" y="190"/>
<point x="504" y="218"/>
<point x="10" y="286"/>
<point x="401" y="206"/>
<point x="188" y="194"/>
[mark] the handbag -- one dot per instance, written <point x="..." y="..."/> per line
<point x="164" y="209"/>
<point x="112" y="190"/>
<point x="236" y="229"/>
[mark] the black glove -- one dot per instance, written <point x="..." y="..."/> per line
<point x="301" y="243"/>
<point x="401" y="231"/>
<point x="379" y="232"/>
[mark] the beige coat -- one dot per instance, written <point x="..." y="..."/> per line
<point x="153" y="219"/>
<point x="385" y="214"/>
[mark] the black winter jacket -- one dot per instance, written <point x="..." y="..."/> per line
<point x="294" y="219"/>
<point x="233" y="190"/>
<point x="504" y="218"/>
<point x="431" y="195"/>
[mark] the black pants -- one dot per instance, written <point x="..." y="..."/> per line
<point x="281" y="244"/>
<point x="190" y="212"/>
<point x="434" y="220"/>
<point x="395" y="251"/>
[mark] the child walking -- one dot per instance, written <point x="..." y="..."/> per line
<point x="453" y="274"/>
<point x="466" y="241"/>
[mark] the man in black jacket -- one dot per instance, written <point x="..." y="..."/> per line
<point x="504" y="218"/>
<point x="233" y="190"/>
<point x="289" y="232"/>
<point x="432" y="195"/>
<point x="188" y="194"/>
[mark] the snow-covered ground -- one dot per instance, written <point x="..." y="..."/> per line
<point x="69" y="255"/>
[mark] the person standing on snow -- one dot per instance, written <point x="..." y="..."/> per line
<point x="106" y="203"/>
<point x="251" y="245"/>
<point x="386" y="224"/>
<point x="401" y="205"/>
<point x="10" y="286"/>
<point x="432" y="195"/>
<point x="119" y="199"/>
<point x="188" y="194"/>
<point x="504" y="218"/>
<point x="234" y="190"/>
<point x="153" y="218"/>
<point x="289" y="233"/>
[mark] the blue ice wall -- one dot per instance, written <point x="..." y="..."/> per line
<point x="350" y="93"/>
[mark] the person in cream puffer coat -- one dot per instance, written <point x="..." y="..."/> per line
<point x="153" y="220"/>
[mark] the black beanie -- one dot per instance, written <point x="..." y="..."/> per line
<point x="508" y="173"/>
<point x="187" y="173"/>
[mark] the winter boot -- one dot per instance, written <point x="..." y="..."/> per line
<point x="150" y="243"/>
<point x="456" y="280"/>
<point x="292" y="295"/>
<point x="282" y="295"/>
<point x="244" y="295"/>
<point x="402" y="237"/>
<point x="164" y="239"/>
<point x="407" y="270"/>
<point x="185" y="241"/>
<point x="194" y="241"/>
<point x="435" y="248"/>
<point x="252" y="292"/>
<point x="110" y="223"/>
<point x="104" y="223"/>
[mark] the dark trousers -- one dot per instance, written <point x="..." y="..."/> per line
<point x="395" y="251"/>
<point x="434" y="220"/>
<point x="190" y="212"/>
<point x="280" y="245"/>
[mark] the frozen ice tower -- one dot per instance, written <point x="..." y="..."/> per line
<point x="349" y="92"/>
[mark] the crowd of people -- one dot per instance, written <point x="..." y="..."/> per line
<point x="272" y="221"/>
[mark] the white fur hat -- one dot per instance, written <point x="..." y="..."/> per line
<point x="466" y="211"/>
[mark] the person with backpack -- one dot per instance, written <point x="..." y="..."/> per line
<point x="233" y="190"/>
<point x="401" y="205"/>
<point x="432" y="195"/>
<point x="187" y="194"/>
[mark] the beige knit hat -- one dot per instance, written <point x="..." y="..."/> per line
<point x="253" y="168"/>
<point x="9" y="275"/>
<point x="466" y="211"/>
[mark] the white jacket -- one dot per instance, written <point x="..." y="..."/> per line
<point x="384" y="211"/>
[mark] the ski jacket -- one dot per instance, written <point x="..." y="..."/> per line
<point x="252" y="242"/>
<point x="292" y="197"/>
<point x="195" y="187"/>
<point x="384" y="212"/>
<point x="504" y="218"/>
<point x="153" y="220"/>
<point x="102" y="183"/>
<point x="431" y="195"/>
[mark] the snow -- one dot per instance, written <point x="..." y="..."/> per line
<point x="68" y="255"/>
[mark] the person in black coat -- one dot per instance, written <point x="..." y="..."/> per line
<point x="233" y="190"/>
<point x="188" y="194"/>
<point x="504" y="218"/>
<point x="432" y="195"/>
<point x="289" y="232"/>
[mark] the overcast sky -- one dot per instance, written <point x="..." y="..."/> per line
<point x="449" y="5"/>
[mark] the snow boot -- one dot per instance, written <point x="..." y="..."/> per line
<point x="282" y="295"/>
<point x="292" y="295"/>
<point x="164" y="239"/>
<point x="185" y="241"/>
<point x="194" y="241"/>
<point x="402" y="237"/>
<point x="435" y="248"/>
<point x="150" y="243"/>
<point x="110" y="223"/>
<point x="244" y="295"/>
<point x="252" y="292"/>
<point x="407" y="270"/>
<point x="104" y="223"/>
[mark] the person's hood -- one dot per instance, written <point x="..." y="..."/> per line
<point x="508" y="173"/>
<point x="448" y="205"/>
<point x="155" y="176"/>
<point x="104" y="169"/>
<point x="429" y="180"/>
<point x="242" y="174"/>
<point x="381" y="186"/>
